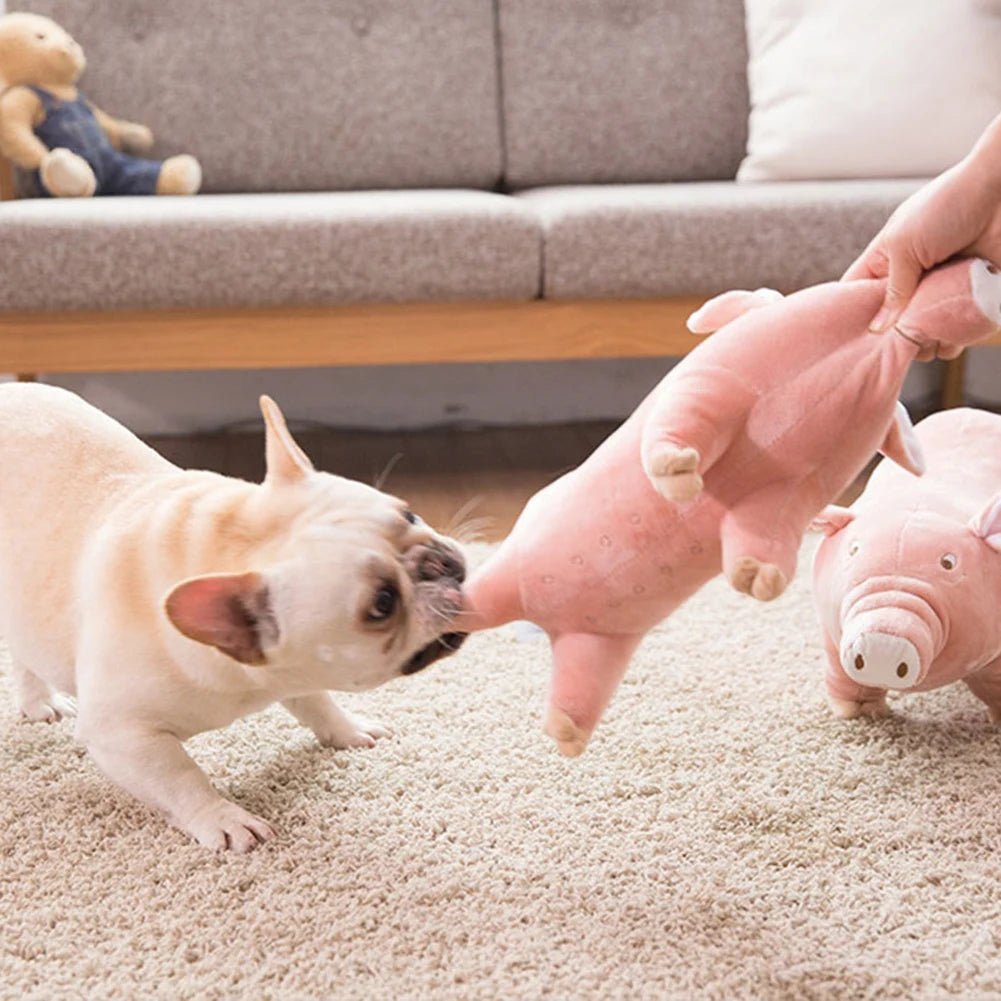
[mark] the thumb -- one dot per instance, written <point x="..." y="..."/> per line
<point x="904" y="273"/>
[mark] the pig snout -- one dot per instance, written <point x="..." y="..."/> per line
<point x="890" y="635"/>
<point x="881" y="660"/>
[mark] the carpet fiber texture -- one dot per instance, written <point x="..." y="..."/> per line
<point x="723" y="837"/>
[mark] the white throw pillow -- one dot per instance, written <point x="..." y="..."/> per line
<point x="868" y="88"/>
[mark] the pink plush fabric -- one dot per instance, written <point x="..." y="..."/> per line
<point x="908" y="580"/>
<point x="722" y="466"/>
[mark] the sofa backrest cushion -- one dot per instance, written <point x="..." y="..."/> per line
<point x="300" y="95"/>
<point x="623" y="90"/>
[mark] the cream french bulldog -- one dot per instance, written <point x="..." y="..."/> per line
<point x="170" y="601"/>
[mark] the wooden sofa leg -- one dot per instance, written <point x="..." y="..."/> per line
<point x="27" y="377"/>
<point x="952" y="382"/>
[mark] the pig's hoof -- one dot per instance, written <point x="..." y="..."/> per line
<point x="869" y="709"/>
<point x="763" y="581"/>
<point x="674" y="472"/>
<point x="570" y="738"/>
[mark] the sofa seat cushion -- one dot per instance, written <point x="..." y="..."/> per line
<point x="267" y="250"/>
<point x="702" y="238"/>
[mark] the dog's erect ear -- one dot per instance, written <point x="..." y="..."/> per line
<point x="286" y="462"/>
<point x="229" y="611"/>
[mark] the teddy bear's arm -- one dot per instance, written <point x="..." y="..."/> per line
<point x="130" y="137"/>
<point x="20" y="111"/>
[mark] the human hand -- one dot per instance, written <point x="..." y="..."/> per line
<point x="957" y="213"/>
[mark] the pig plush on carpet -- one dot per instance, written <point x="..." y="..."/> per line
<point x="722" y="467"/>
<point x="908" y="581"/>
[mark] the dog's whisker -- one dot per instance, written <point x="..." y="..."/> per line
<point x="473" y="530"/>
<point x="380" y="480"/>
<point x="457" y="519"/>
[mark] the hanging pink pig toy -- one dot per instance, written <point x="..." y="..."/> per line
<point x="908" y="580"/>
<point x="722" y="467"/>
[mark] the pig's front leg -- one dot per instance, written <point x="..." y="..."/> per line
<point x="760" y="539"/>
<point x="692" y="423"/>
<point x="847" y="698"/>
<point x="587" y="668"/>
<point x="986" y="685"/>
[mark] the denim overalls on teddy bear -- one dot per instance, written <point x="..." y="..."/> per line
<point x="73" y="125"/>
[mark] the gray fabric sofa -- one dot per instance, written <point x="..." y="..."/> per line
<point x="414" y="180"/>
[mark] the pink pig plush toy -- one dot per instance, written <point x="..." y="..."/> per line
<point x="723" y="466"/>
<point x="908" y="580"/>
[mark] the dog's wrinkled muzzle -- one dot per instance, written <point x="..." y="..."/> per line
<point x="442" y="646"/>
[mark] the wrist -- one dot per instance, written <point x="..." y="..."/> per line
<point x="981" y="167"/>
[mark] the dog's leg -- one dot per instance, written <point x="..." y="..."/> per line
<point x="156" y="769"/>
<point x="332" y="725"/>
<point x="35" y="700"/>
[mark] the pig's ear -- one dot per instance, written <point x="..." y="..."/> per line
<point x="902" y="444"/>
<point x="987" y="524"/>
<point x="719" y="311"/>
<point x="832" y="519"/>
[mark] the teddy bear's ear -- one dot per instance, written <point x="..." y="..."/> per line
<point x="832" y="519"/>
<point x="987" y="524"/>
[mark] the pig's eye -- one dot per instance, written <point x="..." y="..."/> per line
<point x="949" y="561"/>
<point x="854" y="548"/>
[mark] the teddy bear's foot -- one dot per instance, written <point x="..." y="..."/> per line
<point x="674" y="472"/>
<point x="849" y="709"/>
<point x="66" y="175"/>
<point x="179" y="175"/>
<point x="763" y="581"/>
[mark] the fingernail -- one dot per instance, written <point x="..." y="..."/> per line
<point x="881" y="320"/>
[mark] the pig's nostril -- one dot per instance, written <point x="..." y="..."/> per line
<point x="859" y="662"/>
<point x="902" y="670"/>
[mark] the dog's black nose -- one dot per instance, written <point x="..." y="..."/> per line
<point x="440" y="561"/>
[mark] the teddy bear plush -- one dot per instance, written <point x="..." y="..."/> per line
<point x="70" y="147"/>
<point x="722" y="467"/>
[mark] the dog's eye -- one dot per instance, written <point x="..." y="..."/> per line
<point x="411" y="517"/>
<point x="384" y="604"/>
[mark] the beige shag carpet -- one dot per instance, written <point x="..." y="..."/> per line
<point x="723" y="837"/>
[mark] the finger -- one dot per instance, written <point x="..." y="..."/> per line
<point x="871" y="263"/>
<point x="905" y="272"/>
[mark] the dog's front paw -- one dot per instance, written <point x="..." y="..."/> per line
<point x="352" y="731"/>
<point x="48" y="709"/>
<point x="674" y="472"/>
<point x="224" y="826"/>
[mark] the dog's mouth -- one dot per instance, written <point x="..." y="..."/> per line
<point x="442" y="646"/>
